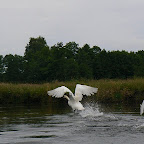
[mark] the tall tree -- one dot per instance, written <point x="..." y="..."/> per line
<point x="1" y="68"/>
<point x="34" y="45"/>
<point x="85" y="62"/>
<point x="71" y="50"/>
<point x="35" y="55"/>
<point x="121" y="65"/>
<point x="139" y="64"/>
<point x="63" y="65"/>
<point x="14" y="69"/>
<point x="101" y="65"/>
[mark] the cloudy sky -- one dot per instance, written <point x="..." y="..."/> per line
<point x="109" y="24"/>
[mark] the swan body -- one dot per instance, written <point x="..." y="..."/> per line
<point x="76" y="105"/>
<point x="73" y="99"/>
<point x="142" y="108"/>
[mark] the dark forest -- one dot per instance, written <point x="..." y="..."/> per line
<point x="42" y="63"/>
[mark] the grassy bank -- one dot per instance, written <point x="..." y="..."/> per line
<point x="109" y="91"/>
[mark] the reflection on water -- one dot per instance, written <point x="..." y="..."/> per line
<point x="57" y="123"/>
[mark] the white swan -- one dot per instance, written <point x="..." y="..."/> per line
<point x="142" y="108"/>
<point x="73" y="99"/>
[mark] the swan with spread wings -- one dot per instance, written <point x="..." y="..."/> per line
<point x="73" y="99"/>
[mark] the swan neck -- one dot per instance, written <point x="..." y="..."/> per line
<point x="65" y="96"/>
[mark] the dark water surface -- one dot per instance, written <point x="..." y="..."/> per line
<point x="97" y="124"/>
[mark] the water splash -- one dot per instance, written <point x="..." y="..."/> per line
<point x="139" y="126"/>
<point x="91" y="110"/>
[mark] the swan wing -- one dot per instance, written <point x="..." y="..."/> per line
<point x="84" y="90"/>
<point x="59" y="92"/>
<point x="142" y="108"/>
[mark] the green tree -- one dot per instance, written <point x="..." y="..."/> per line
<point x="101" y="65"/>
<point x="63" y="64"/>
<point x="57" y="62"/>
<point x="13" y="65"/>
<point x="139" y="64"/>
<point x="34" y="45"/>
<point x="36" y="57"/>
<point x="114" y="64"/>
<point x="121" y="65"/>
<point x="85" y="60"/>
<point x="96" y="50"/>
<point x="71" y="50"/>
<point x="1" y="68"/>
<point x="44" y="64"/>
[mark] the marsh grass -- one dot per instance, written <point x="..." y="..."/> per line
<point x="108" y="91"/>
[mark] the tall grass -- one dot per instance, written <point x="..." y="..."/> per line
<point x="108" y="91"/>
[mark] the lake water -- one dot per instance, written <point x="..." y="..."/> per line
<point x="58" y="124"/>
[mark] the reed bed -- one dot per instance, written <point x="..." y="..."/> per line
<point x="108" y="91"/>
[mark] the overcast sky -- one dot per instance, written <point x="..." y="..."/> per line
<point x="109" y="24"/>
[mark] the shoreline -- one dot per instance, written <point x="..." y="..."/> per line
<point x="109" y="90"/>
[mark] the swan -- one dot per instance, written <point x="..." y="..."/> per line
<point x="73" y="99"/>
<point x="142" y="108"/>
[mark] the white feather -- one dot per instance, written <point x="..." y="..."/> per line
<point x="142" y="108"/>
<point x="81" y="90"/>
<point x="59" y="92"/>
<point x="73" y="101"/>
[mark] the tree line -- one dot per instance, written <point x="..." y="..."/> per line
<point x="42" y="63"/>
